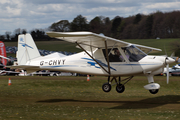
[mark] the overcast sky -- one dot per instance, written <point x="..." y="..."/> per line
<point x="31" y="14"/>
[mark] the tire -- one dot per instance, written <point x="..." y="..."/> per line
<point x="106" y="87"/>
<point x="120" y="88"/>
<point x="154" y="91"/>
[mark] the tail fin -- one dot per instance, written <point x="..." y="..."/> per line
<point x="27" y="49"/>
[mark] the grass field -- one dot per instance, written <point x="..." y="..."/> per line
<point x="75" y="98"/>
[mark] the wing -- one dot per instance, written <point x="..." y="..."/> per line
<point x="91" y="41"/>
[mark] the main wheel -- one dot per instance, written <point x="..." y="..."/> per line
<point x="154" y="91"/>
<point x="106" y="87"/>
<point x="120" y="88"/>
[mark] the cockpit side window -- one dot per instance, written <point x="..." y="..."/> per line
<point x="114" y="55"/>
<point x="133" y="53"/>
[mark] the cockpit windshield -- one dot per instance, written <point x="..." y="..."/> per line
<point x="133" y="53"/>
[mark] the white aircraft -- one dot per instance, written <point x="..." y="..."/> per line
<point x="102" y="56"/>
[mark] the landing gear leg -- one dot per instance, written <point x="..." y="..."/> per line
<point x="120" y="87"/>
<point x="152" y="87"/>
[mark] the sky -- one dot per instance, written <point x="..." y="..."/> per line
<point x="40" y="14"/>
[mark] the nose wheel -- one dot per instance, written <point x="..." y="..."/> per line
<point x="154" y="91"/>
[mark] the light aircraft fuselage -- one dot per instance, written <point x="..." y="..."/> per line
<point x="102" y="55"/>
<point x="82" y="63"/>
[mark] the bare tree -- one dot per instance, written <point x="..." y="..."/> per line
<point x="61" y="26"/>
<point x="79" y="24"/>
<point x="8" y="34"/>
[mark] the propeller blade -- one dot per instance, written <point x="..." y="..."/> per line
<point x="167" y="73"/>
<point x="172" y="55"/>
<point x="165" y="50"/>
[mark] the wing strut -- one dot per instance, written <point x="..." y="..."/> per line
<point x="94" y="59"/>
<point x="107" y="57"/>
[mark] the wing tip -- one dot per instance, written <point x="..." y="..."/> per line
<point x="68" y="34"/>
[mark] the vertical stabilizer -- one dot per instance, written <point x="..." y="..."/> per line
<point x="27" y="49"/>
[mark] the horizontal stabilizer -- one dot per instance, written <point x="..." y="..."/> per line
<point x="3" y="57"/>
<point x="23" y="67"/>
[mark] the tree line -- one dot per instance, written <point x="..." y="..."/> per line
<point x="37" y="34"/>
<point x="155" y="25"/>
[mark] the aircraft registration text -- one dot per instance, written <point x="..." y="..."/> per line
<point x="53" y="62"/>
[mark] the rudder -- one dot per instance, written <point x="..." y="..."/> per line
<point x="27" y="49"/>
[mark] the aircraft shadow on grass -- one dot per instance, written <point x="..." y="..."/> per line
<point x="141" y="104"/>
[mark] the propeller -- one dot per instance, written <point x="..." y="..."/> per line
<point x="167" y="65"/>
<point x="167" y="73"/>
<point x="167" y="69"/>
<point x="167" y="61"/>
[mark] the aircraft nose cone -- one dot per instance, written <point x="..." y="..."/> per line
<point x="169" y="60"/>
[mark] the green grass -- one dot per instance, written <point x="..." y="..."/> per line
<point x="75" y="98"/>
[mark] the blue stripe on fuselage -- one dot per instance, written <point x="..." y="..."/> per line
<point x="93" y="63"/>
